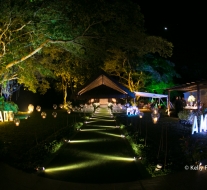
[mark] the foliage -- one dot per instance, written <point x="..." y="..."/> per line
<point x="54" y="146"/>
<point x="8" y="105"/>
<point x="151" y="169"/>
<point x="85" y="29"/>
<point x="68" y="105"/>
<point x="184" y="115"/>
<point x="140" y="72"/>
<point x="194" y="149"/>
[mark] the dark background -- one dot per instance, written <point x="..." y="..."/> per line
<point x="186" y="29"/>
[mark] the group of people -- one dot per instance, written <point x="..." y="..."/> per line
<point x="179" y="104"/>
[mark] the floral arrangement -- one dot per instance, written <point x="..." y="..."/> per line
<point x="191" y="98"/>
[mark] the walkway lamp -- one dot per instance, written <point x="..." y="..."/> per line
<point x="17" y="121"/>
<point x="43" y="114"/>
<point x="30" y="108"/>
<point x="155" y="115"/>
<point x="54" y="114"/>
<point x="38" y="108"/>
<point x="141" y="114"/>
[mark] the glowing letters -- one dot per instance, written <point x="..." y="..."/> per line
<point x="203" y="124"/>
<point x="4" y="115"/>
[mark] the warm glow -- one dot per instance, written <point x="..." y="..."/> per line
<point x="30" y="108"/>
<point x="85" y="141"/>
<point x="92" y="129"/>
<point x="90" y="163"/>
<point x="38" y="108"/>
<point x="110" y="134"/>
<point x="74" y="166"/>
<point x="54" y="114"/>
<point x="55" y="106"/>
<point x="43" y="114"/>
<point x="16" y="121"/>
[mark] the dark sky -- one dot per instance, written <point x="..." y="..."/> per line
<point x="186" y="29"/>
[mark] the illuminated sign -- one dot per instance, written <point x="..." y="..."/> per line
<point x="203" y="124"/>
<point x="6" y="116"/>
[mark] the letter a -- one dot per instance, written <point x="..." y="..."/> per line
<point x="203" y="123"/>
<point x="195" y="125"/>
<point x="1" y="118"/>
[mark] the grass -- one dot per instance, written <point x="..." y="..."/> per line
<point x="30" y="137"/>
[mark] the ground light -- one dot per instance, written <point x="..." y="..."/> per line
<point x="73" y="166"/>
<point x="92" y="130"/>
<point x="85" y="141"/>
<point x="110" y="134"/>
<point x="89" y="163"/>
<point x="103" y="126"/>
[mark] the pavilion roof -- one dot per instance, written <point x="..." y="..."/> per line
<point x="192" y="86"/>
<point x="105" y="80"/>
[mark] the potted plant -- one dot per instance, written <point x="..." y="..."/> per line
<point x="184" y="117"/>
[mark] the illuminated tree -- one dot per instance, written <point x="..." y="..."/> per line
<point x="148" y="72"/>
<point x="87" y="29"/>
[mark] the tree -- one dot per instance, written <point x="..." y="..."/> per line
<point x="140" y="73"/>
<point x="87" y="29"/>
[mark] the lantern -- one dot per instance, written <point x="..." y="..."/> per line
<point x="155" y="117"/>
<point x="68" y="111"/>
<point x="54" y="114"/>
<point x="55" y="106"/>
<point x="38" y="108"/>
<point x="16" y="121"/>
<point x="43" y="114"/>
<point x="141" y="114"/>
<point x="61" y="106"/>
<point x="30" y="108"/>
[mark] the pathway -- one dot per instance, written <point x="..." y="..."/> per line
<point x="97" y="154"/>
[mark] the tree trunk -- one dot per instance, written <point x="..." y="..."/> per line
<point x="64" y="83"/>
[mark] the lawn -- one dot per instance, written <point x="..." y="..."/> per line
<point x="20" y="143"/>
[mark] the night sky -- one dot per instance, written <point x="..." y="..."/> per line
<point x="186" y="29"/>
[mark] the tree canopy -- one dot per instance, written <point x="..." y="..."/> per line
<point x="89" y="31"/>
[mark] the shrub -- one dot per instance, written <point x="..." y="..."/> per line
<point x="8" y="106"/>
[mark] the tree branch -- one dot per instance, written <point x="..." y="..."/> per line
<point x="27" y="56"/>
